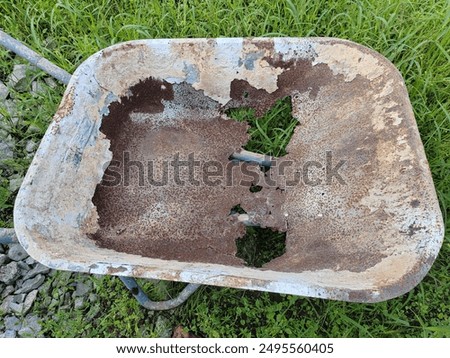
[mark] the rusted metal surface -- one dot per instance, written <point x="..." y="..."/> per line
<point x="354" y="193"/>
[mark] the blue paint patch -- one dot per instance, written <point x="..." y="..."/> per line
<point x="249" y="60"/>
<point x="192" y="73"/>
<point x="110" y="98"/>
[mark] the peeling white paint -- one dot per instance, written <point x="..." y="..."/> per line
<point x="348" y="61"/>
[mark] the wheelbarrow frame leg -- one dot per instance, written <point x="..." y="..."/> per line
<point x="143" y="299"/>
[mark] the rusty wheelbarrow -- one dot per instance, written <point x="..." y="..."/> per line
<point x="140" y="169"/>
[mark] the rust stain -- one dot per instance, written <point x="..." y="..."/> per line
<point x="185" y="222"/>
<point x="64" y="109"/>
<point x="115" y="270"/>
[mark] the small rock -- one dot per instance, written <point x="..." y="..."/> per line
<point x="31" y="146"/>
<point x="31" y="327"/>
<point x="50" y="82"/>
<point x="24" y="268"/>
<point x="29" y="300"/>
<point x="30" y="261"/>
<point x="11" y="109"/>
<point x="45" y="288"/>
<point x="19" y="298"/>
<point x="82" y="289"/>
<point x="4" y="307"/>
<point x="3" y="91"/>
<point x="9" y="334"/>
<point x="66" y="299"/>
<point x="17" y="308"/>
<point x="6" y="150"/>
<point x="39" y="269"/>
<point x="17" y="253"/>
<point x="7" y="291"/>
<point x="9" y="273"/>
<point x="15" y="183"/>
<point x="93" y="297"/>
<point x="163" y="327"/>
<point x="3" y="259"/>
<point x="12" y="323"/>
<point x="33" y="128"/>
<point x="18" y="282"/>
<point x="18" y="78"/>
<point x="79" y="303"/>
<point x="31" y="284"/>
<point x="36" y="88"/>
<point x="47" y="301"/>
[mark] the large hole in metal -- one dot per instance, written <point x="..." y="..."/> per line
<point x="269" y="134"/>
<point x="260" y="246"/>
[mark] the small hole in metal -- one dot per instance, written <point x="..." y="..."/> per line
<point x="134" y="291"/>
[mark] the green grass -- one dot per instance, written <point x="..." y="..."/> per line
<point x="269" y="134"/>
<point x="414" y="35"/>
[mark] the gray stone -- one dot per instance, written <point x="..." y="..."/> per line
<point x="31" y="146"/>
<point x="30" y="261"/>
<point x="24" y="268"/>
<point x="79" y="303"/>
<point x="46" y="287"/>
<point x="31" y="284"/>
<point x="33" y="128"/>
<point x="3" y="91"/>
<point x="37" y="88"/>
<point x="47" y="301"/>
<point x="6" y="150"/>
<point x="7" y="291"/>
<point x="4" y="259"/>
<point x="11" y="109"/>
<point x="50" y="82"/>
<point x="4" y="306"/>
<point x="9" y="273"/>
<point x="17" y="253"/>
<point x="30" y="327"/>
<point x="39" y="269"/>
<point x="15" y="183"/>
<point x="12" y="323"/>
<point x="93" y="297"/>
<point x="163" y="327"/>
<point x="18" y="78"/>
<point x="66" y="299"/>
<point x="17" y="308"/>
<point x="29" y="300"/>
<point x="20" y="298"/>
<point x="9" y="334"/>
<point x="82" y="289"/>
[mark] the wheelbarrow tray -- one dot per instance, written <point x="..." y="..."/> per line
<point x="367" y="233"/>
